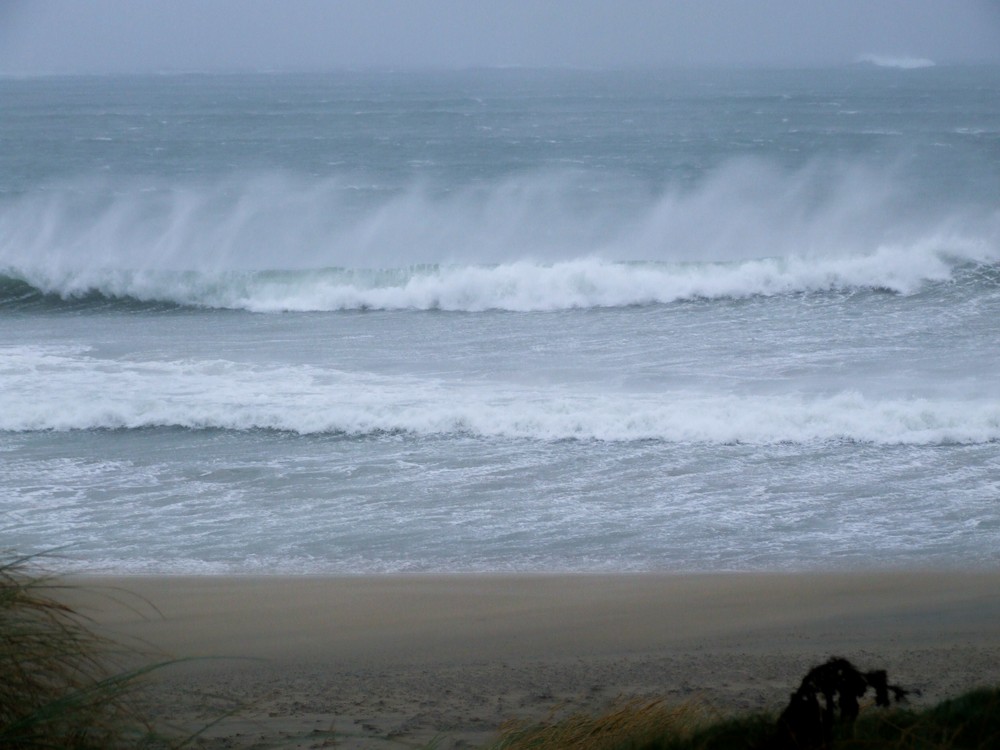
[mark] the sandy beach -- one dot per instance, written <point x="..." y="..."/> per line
<point x="403" y="660"/>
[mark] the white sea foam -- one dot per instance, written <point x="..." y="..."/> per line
<point x="52" y="389"/>
<point x="901" y="62"/>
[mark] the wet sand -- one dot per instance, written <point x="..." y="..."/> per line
<point x="395" y="661"/>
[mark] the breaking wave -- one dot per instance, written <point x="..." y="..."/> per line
<point x="538" y="242"/>
<point x="533" y="242"/>
<point x="520" y="286"/>
<point x="65" y="389"/>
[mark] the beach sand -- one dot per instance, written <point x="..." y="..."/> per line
<point x="397" y="661"/>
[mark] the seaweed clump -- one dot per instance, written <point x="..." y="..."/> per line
<point x="829" y="696"/>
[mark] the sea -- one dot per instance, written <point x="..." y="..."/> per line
<point x="502" y="320"/>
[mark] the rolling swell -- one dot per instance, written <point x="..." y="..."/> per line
<point x="682" y="418"/>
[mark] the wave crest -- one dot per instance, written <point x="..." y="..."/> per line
<point x="67" y="389"/>
<point x="521" y="286"/>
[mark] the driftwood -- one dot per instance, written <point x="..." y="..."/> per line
<point x="829" y="694"/>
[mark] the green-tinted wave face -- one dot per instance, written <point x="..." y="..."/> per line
<point x="19" y="295"/>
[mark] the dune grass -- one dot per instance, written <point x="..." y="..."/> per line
<point x="968" y="722"/>
<point x="61" y="684"/>
<point x="638" y="722"/>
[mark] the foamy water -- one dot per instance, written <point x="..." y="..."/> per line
<point x="502" y="321"/>
<point x="58" y="390"/>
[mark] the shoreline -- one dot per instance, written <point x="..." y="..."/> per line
<point x="384" y="659"/>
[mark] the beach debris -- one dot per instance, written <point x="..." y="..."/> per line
<point x="829" y="694"/>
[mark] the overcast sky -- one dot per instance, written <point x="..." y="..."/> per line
<point x="88" y="36"/>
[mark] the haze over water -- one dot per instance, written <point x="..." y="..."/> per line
<point x="501" y="320"/>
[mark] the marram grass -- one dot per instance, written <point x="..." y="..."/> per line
<point x="968" y="722"/>
<point x="629" y="725"/>
<point x="61" y="684"/>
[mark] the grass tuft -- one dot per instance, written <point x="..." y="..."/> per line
<point x="968" y="722"/>
<point x="61" y="684"/>
<point x="630" y="724"/>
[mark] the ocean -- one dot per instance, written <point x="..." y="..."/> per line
<point x="502" y="320"/>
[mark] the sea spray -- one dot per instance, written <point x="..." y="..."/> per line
<point x="743" y="210"/>
<point x="534" y="242"/>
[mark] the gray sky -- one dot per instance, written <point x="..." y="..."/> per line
<point x="89" y="36"/>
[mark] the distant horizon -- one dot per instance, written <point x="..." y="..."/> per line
<point x="860" y="62"/>
<point x="117" y="36"/>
